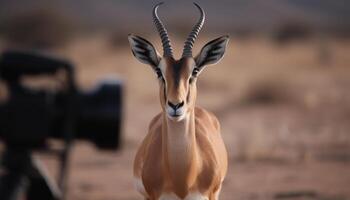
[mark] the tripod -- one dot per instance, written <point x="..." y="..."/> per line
<point x="24" y="175"/>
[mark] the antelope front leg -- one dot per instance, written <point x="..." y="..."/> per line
<point x="216" y="194"/>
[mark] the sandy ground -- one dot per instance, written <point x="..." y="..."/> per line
<point x="285" y="118"/>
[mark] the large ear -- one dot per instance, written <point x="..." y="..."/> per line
<point x="144" y="50"/>
<point x="212" y="52"/>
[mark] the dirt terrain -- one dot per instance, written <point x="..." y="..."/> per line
<point x="284" y="112"/>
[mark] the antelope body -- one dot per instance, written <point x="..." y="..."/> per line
<point x="183" y="156"/>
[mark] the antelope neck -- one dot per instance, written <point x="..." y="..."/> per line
<point x="179" y="150"/>
<point x="176" y="130"/>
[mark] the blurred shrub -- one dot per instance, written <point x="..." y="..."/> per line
<point x="243" y="33"/>
<point x="266" y="92"/>
<point x="41" y="28"/>
<point x="292" y="31"/>
<point x="341" y="32"/>
<point x="119" y="39"/>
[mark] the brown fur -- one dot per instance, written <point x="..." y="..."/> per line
<point x="184" y="156"/>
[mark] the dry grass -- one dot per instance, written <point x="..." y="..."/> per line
<point x="37" y="28"/>
<point x="283" y="115"/>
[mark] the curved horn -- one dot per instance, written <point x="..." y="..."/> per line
<point x="187" y="52"/>
<point x="168" y="51"/>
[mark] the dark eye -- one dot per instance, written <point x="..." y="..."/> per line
<point x="195" y="72"/>
<point x="159" y="74"/>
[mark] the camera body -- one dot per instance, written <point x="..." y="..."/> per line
<point x="30" y="116"/>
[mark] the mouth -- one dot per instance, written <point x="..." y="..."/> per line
<point x="176" y="116"/>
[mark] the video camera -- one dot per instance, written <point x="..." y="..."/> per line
<point x="30" y="116"/>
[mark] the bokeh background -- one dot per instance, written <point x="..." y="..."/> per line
<point x="281" y="93"/>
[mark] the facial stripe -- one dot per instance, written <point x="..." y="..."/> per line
<point x="178" y="68"/>
<point x="177" y="75"/>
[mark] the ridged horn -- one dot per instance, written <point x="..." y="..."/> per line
<point x="168" y="51"/>
<point x="187" y="52"/>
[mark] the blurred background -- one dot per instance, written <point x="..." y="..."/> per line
<point x="281" y="93"/>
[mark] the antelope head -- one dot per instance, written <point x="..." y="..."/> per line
<point x="177" y="78"/>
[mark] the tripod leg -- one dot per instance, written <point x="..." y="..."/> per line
<point x="41" y="185"/>
<point x="12" y="185"/>
<point x="62" y="179"/>
<point x="13" y="179"/>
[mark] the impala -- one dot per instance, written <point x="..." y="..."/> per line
<point x="183" y="155"/>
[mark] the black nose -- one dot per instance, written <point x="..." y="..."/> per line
<point x="176" y="106"/>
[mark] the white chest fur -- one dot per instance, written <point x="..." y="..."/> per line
<point x="191" y="196"/>
<point x="139" y="187"/>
